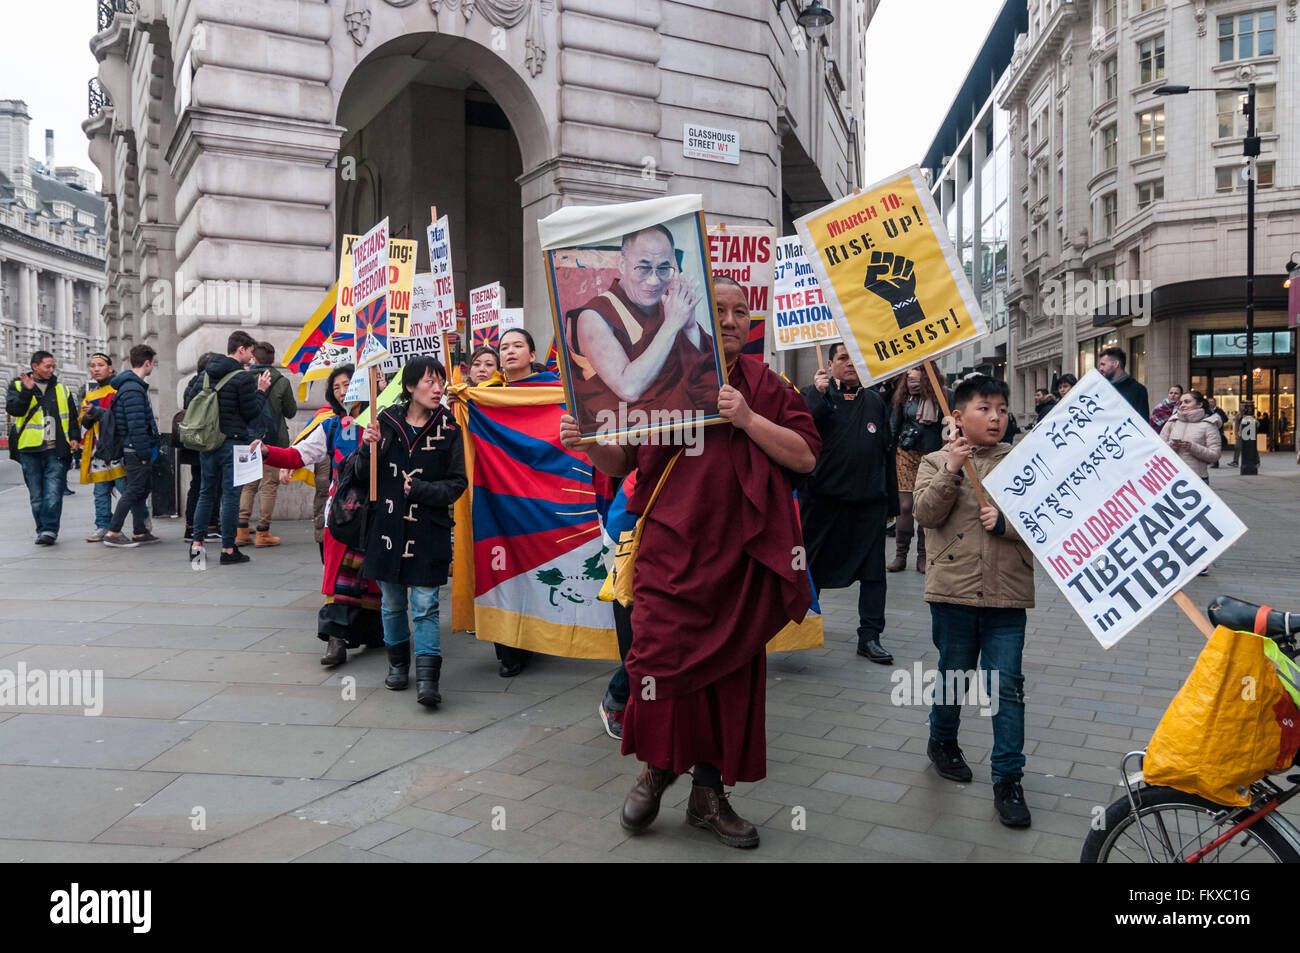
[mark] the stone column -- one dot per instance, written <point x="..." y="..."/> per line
<point x="27" y="337"/>
<point x="62" y="345"/>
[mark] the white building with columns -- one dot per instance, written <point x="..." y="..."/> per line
<point x="52" y="255"/>
<point x="238" y="141"/>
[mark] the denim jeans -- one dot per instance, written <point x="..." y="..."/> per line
<point x="104" y="500"/>
<point x="44" y="472"/>
<point x="218" y="473"/>
<point x="993" y="638"/>
<point x="619" y="688"/>
<point x="424" y="609"/>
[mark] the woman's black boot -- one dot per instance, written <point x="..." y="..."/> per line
<point x="428" y="669"/>
<point x="399" y="666"/>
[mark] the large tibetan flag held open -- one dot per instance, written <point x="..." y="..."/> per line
<point x="529" y="574"/>
<point x="298" y="355"/>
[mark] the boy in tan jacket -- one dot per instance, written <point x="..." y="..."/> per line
<point x="979" y="582"/>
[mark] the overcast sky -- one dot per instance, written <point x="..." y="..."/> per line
<point x="918" y="52"/>
<point x="45" y="59"/>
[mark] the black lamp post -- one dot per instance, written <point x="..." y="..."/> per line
<point x="1250" y="149"/>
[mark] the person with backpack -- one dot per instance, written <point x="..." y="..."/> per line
<point x="185" y="456"/>
<point x="43" y="434"/>
<point x="104" y="475"/>
<point x="271" y="428"/>
<point x="350" y="616"/>
<point x="135" y="427"/>
<point x="421" y="473"/>
<point x="220" y="413"/>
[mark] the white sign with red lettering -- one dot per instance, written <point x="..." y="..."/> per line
<point x="800" y="314"/>
<point x="715" y="145"/>
<point x="1112" y="512"/>
<point x="444" y="297"/>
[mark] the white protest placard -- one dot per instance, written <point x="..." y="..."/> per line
<point x="747" y="255"/>
<point x="248" y="465"/>
<point x="485" y="315"/>
<point x="715" y="145"/>
<point x="370" y="294"/>
<point x="425" y="336"/>
<point x="511" y="318"/>
<point x="800" y="315"/>
<point x="1111" y="511"/>
<point x="440" y="272"/>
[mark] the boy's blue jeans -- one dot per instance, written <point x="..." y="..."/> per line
<point x="424" y="608"/>
<point x="104" y="500"/>
<point x="994" y="639"/>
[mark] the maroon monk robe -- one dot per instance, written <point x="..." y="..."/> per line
<point x="715" y="580"/>
<point x="688" y="379"/>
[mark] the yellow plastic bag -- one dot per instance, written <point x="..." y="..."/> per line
<point x="1230" y="724"/>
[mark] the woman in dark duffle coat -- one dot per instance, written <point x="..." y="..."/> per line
<point x="408" y="536"/>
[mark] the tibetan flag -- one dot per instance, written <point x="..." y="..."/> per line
<point x="372" y="332"/>
<point x="757" y="333"/>
<point x="298" y="355"/>
<point x="529" y="574"/>
<point x="489" y="336"/>
<point x="553" y="358"/>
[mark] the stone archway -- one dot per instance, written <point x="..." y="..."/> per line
<point x="438" y="119"/>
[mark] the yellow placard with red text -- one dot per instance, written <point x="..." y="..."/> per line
<point x="401" y="279"/>
<point x="891" y="276"/>
<point x="344" y="324"/>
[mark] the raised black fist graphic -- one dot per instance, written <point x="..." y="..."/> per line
<point x="892" y="277"/>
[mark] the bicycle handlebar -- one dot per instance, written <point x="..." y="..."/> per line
<point x="1248" y="617"/>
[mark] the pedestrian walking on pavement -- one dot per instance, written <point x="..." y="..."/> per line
<point x="421" y="473"/>
<point x="848" y="498"/>
<point x="104" y="476"/>
<point x="280" y="406"/>
<point x="43" y="434"/>
<point x="916" y="427"/>
<point x="240" y="400"/>
<point x="978" y="594"/>
<point x="134" y="419"/>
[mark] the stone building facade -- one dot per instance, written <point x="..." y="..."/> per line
<point x="52" y="252"/>
<point x="1128" y="217"/>
<point x="240" y="140"/>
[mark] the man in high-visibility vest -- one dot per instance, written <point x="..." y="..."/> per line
<point x="43" y="434"/>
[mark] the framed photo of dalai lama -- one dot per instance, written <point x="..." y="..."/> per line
<point x="632" y="299"/>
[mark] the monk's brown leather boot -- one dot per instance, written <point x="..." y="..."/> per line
<point x="709" y="808"/>
<point x="642" y="804"/>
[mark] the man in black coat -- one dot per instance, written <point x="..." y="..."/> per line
<point x="1111" y="364"/>
<point x="240" y="401"/>
<point x="849" y="497"/>
<point x="133" y="418"/>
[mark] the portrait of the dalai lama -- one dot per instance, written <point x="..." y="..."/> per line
<point x="644" y="342"/>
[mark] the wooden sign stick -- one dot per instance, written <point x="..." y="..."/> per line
<point x="969" y="468"/>
<point x="821" y="364"/>
<point x="1184" y="602"/>
<point x="374" y="418"/>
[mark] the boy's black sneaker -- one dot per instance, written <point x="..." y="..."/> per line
<point x="1009" y="799"/>
<point x="232" y="558"/>
<point x="948" y="760"/>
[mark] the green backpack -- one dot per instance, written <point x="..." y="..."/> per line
<point x="201" y="428"/>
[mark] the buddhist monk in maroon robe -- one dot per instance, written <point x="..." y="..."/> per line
<point x="638" y="344"/>
<point x="715" y="580"/>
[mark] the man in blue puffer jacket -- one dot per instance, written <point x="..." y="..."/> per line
<point x="133" y="418"/>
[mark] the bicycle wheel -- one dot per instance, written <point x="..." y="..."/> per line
<point x="1176" y="825"/>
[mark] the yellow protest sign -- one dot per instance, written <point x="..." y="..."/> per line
<point x="891" y="276"/>
<point x="401" y="276"/>
<point x="344" y="325"/>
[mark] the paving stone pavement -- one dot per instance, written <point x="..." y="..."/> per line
<point x="223" y="739"/>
